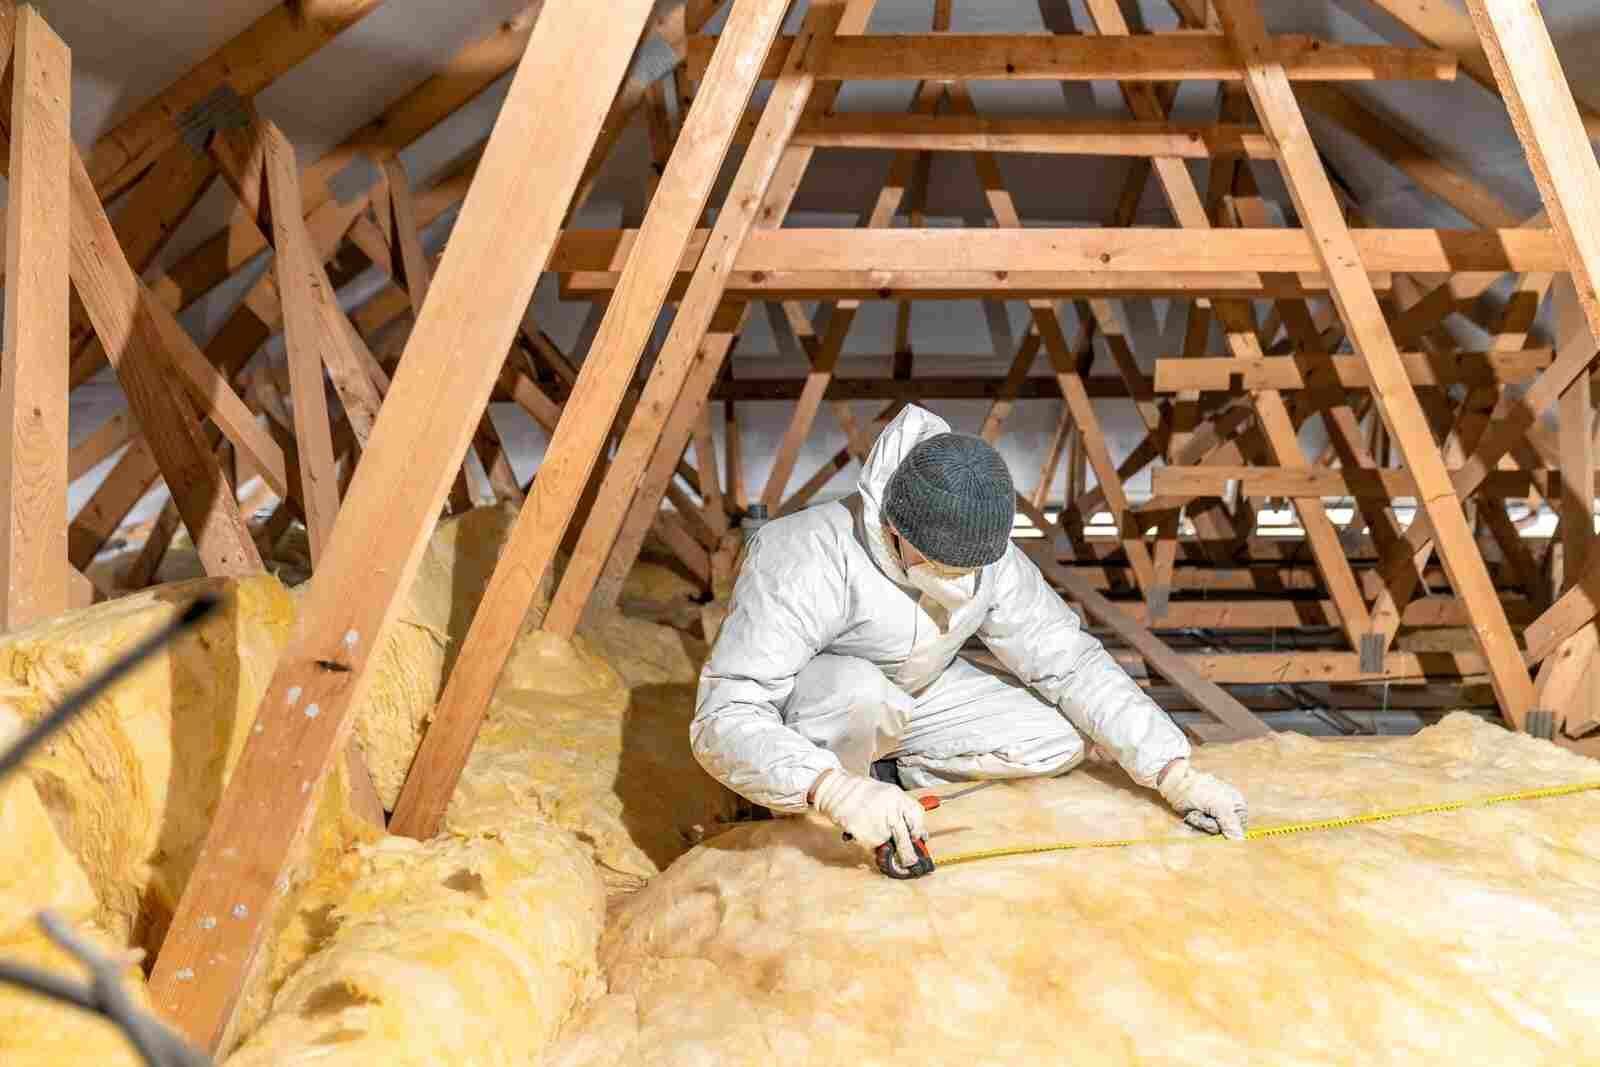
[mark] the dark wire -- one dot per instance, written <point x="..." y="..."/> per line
<point x="156" y="1044"/>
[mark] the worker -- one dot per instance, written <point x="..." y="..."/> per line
<point x="837" y="680"/>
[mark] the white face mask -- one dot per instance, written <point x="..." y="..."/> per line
<point x="950" y="587"/>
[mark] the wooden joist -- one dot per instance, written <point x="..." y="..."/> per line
<point x="34" y="572"/>
<point x="1261" y="615"/>
<point x="310" y="333"/>
<point x="1035" y="136"/>
<point x="1160" y="57"/>
<point x="502" y="240"/>
<point x="259" y="163"/>
<point x="1110" y="252"/>
<point x="1385" y="483"/>
<point x="1308" y="371"/>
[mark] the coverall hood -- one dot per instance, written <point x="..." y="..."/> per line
<point x="909" y="428"/>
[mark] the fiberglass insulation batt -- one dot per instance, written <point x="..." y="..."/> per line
<point x="1464" y="937"/>
<point x="468" y="951"/>
<point x="35" y="1032"/>
<point x="131" y="784"/>
<point x="569" y="740"/>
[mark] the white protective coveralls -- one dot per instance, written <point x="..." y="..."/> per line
<point x="830" y="659"/>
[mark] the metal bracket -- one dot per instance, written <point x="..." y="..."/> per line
<point x="1158" y="599"/>
<point x="354" y="179"/>
<point x="1371" y="653"/>
<point x="1541" y="724"/>
<point x="220" y="109"/>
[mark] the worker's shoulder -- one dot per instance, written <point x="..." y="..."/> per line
<point x="813" y="535"/>
<point x="821" y="522"/>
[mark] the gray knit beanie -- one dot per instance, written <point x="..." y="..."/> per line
<point x="951" y="497"/>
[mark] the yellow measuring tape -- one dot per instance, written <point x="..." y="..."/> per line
<point x="1282" y="830"/>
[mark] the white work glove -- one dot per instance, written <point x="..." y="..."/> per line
<point x="872" y="812"/>
<point x="1205" y="802"/>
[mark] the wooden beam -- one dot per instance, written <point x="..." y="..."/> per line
<point x="1474" y="201"/>
<point x="580" y="436"/>
<point x="1379" y="483"/>
<point x="1305" y="371"/>
<point x="247" y="64"/>
<point x="670" y="526"/>
<point x="1035" y="136"/>
<point x="1319" y="211"/>
<point x="1306" y="668"/>
<point x="1112" y="252"/>
<point x="705" y="459"/>
<point x="502" y="241"/>
<point x="1171" y="666"/>
<point x="1005" y="399"/>
<point x="148" y="216"/>
<point x="34" y="572"/>
<point x="903" y="286"/>
<point x="1288" y="614"/>
<point x="1160" y="57"/>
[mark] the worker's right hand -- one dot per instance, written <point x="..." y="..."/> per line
<point x="872" y="812"/>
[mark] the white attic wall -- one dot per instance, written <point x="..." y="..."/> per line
<point x="124" y="53"/>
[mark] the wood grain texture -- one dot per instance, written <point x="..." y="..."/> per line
<point x="1160" y="57"/>
<point x="34" y="573"/>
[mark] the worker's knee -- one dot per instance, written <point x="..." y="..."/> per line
<point x="849" y="707"/>
<point x="1041" y="754"/>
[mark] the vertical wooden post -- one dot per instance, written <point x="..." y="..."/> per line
<point x="33" y="372"/>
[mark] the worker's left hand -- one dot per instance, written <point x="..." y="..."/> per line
<point x="1205" y="802"/>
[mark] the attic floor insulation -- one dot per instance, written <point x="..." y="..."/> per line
<point x="590" y="902"/>
<point x="1451" y="938"/>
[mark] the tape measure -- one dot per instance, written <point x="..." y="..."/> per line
<point x="1283" y="830"/>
